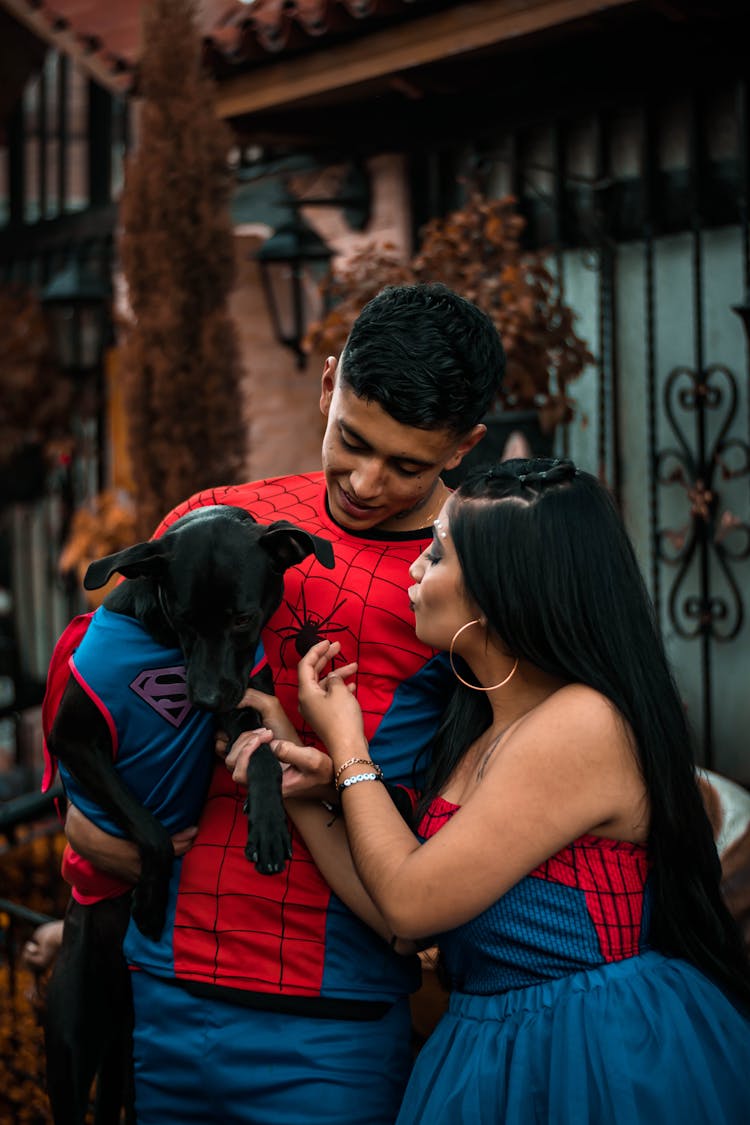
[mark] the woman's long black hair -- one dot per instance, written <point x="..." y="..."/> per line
<point x="554" y="572"/>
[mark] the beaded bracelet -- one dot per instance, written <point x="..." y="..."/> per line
<point x="355" y="762"/>
<point x="357" y="778"/>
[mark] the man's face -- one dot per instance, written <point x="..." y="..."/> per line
<point x="379" y="472"/>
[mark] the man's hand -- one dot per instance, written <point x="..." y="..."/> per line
<point x="271" y="712"/>
<point x="275" y="719"/>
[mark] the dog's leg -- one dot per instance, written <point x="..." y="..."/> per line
<point x="114" y="1080"/>
<point x="269" y="841"/>
<point x="80" y="739"/>
<point x="72" y="1054"/>
<point x="88" y="1001"/>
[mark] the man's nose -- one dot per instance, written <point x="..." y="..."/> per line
<point x="367" y="479"/>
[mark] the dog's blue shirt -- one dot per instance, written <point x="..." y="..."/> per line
<point x="162" y="745"/>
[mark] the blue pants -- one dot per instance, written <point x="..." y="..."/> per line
<point x="202" y="1061"/>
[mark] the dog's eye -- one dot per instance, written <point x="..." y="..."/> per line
<point x="244" y="620"/>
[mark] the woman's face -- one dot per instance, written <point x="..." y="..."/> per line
<point x="437" y="596"/>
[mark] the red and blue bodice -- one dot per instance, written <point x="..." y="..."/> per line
<point x="580" y="909"/>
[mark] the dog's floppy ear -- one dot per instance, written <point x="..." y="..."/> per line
<point x="140" y="560"/>
<point x="288" y="545"/>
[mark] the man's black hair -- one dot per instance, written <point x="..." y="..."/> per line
<point x="426" y="355"/>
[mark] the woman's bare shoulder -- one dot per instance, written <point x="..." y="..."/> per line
<point x="583" y="720"/>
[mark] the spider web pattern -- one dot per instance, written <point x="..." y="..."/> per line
<point x="263" y="933"/>
<point x="612" y="875"/>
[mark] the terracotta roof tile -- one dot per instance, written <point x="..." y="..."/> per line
<point x="233" y="31"/>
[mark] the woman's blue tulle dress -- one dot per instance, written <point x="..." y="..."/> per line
<point x="561" y="1014"/>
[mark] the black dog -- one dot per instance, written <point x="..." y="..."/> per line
<point x="206" y="587"/>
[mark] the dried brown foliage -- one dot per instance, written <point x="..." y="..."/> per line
<point x="106" y="523"/>
<point x="35" y="399"/>
<point x="476" y="251"/>
<point x="181" y="354"/>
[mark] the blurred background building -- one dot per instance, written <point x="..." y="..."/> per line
<point x="620" y="127"/>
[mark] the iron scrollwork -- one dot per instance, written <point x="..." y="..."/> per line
<point x="710" y="533"/>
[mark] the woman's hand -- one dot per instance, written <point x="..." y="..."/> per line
<point x="326" y="703"/>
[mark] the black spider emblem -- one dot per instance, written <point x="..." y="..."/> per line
<point x="310" y="629"/>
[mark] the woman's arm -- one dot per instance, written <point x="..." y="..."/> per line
<point x="327" y="843"/>
<point x="565" y="769"/>
<point x="317" y="822"/>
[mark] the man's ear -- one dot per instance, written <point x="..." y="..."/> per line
<point x="467" y="442"/>
<point x="327" y="384"/>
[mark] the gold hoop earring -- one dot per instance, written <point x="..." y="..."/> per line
<point x="461" y="680"/>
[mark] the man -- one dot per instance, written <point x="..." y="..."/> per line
<point x="266" y="1001"/>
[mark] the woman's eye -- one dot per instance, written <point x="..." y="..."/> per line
<point x="431" y="558"/>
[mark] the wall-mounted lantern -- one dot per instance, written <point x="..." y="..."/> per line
<point x="77" y="302"/>
<point x="295" y="259"/>
<point x="292" y="263"/>
<point x="78" y="305"/>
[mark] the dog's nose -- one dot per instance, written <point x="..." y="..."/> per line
<point x="207" y="701"/>
<point x="215" y="697"/>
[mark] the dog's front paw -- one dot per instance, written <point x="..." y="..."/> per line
<point x="269" y="847"/>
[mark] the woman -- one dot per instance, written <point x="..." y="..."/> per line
<point x="567" y="866"/>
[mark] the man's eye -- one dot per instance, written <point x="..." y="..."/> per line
<point x="350" y="445"/>
<point x="408" y="472"/>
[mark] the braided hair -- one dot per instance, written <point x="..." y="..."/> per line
<point x="552" y="569"/>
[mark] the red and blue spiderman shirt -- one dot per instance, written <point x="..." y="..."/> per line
<point x="285" y="941"/>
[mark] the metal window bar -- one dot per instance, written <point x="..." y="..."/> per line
<point x="648" y="161"/>
<point x="63" y="101"/>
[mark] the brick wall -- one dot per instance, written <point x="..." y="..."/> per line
<point x="285" y="426"/>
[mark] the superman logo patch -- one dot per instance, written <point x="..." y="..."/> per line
<point x="165" y="689"/>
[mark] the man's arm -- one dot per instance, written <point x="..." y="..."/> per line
<point x="111" y="853"/>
